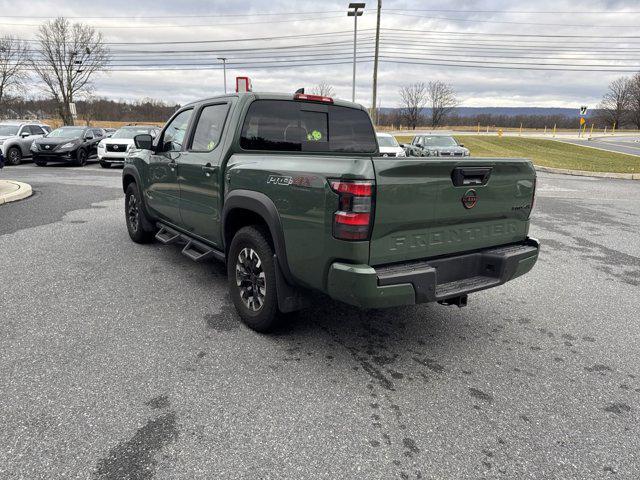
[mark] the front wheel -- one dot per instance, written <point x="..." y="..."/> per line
<point x="81" y="157"/>
<point x="139" y="226"/>
<point x="14" y="156"/>
<point x="252" y="279"/>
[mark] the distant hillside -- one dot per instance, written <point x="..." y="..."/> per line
<point x="506" y="111"/>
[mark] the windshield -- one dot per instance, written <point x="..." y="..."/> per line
<point x="439" y="141"/>
<point x="387" y="141"/>
<point x="66" y="133"/>
<point x="6" y="130"/>
<point x="130" y="132"/>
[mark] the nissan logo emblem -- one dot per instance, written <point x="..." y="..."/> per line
<point x="115" y="147"/>
<point x="470" y="198"/>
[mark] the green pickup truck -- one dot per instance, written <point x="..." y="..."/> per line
<point x="290" y="192"/>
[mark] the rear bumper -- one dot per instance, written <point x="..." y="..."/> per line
<point x="434" y="280"/>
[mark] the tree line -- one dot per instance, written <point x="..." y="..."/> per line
<point x="92" y="108"/>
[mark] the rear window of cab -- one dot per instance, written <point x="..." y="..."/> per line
<point x="291" y="126"/>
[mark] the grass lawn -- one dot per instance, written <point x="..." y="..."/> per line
<point x="548" y="153"/>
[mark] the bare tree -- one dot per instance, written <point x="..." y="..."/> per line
<point x="324" y="89"/>
<point x="413" y="97"/>
<point x="615" y="103"/>
<point x="442" y="99"/>
<point x="13" y="60"/>
<point x="68" y="56"/>
<point x="634" y="102"/>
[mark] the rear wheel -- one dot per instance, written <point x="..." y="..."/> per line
<point x="138" y="224"/>
<point x="105" y="164"/>
<point x="81" y="157"/>
<point x="252" y="279"/>
<point x="14" y="156"/>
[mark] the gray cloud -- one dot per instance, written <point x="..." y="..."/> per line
<point x="476" y="87"/>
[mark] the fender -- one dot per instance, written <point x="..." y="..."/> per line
<point x="130" y="170"/>
<point x="262" y="205"/>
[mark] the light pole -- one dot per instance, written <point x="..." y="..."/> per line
<point x="224" y="69"/>
<point x="374" y="110"/>
<point x="355" y="11"/>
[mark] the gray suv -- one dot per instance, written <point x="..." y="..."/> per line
<point x="16" y="138"/>
<point x="438" y="145"/>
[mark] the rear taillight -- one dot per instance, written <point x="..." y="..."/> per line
<point x="352" y="221"/>
<point x="533" y="198"/>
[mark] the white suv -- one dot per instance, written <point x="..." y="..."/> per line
<point x="112" y="150"/>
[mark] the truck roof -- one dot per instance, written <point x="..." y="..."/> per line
<point x="273" y="96"/>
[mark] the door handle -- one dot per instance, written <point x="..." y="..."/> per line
<point x="209" y="169"/>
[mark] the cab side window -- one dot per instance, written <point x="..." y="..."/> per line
<point x="36" y="130"/>
<point x="174" y="134"/>
<point x="209" y="129"/>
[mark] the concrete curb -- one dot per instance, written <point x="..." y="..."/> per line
<point x="584" y="173"/>
<point x="10" y="191"/>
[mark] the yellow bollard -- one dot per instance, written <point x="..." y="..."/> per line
<point x="478" y="128"/>
<point x="521" y="129"/>
<point x="613" y="129"/>
<point x="545" y="130"/>
<point x="554" y="130"/>
<point x="500" y="132"/>
<point x="591" y="132"/>
<point x="605" y="129"/>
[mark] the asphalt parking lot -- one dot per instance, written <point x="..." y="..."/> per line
<point x="120" y="359"/>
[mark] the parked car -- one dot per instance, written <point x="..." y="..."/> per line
<point x="389" y="146"/>
<point x="67" y="145"/>
<point x="255" y="180"/>
<point x="16" y="139"/>
<point x="412" y="150"/>
<point x="440" y="146"/>
<point x="113" y="150"/>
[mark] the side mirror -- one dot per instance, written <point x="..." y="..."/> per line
<point x="461" y="145"/>
<point x="25" y="134"/>
<point x="143" y="141"/>
<point x="88" y="136"/>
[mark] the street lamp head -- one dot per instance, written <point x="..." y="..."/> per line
<point x="355" y="13"/>
<point x="356" y="5"/>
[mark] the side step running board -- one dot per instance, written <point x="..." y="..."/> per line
<point x="167" y="236"/>
<point x="193" y="249"/>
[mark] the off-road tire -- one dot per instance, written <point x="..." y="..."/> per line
<point x="14" y="156"/>
<point x="253" y="239"/>
<point x="139" y="226"/>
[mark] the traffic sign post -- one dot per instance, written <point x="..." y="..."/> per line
<point x="582" y="127"/>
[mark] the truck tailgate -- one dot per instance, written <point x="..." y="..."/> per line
<point x="432" y="207"/>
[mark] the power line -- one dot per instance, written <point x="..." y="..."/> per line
<point x="207" y="25"/>
<point x="507" y="22"/>
<point x="144" y="16"/>
<point x="525" y="12"/>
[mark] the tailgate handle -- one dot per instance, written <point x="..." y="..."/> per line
<point x="470" y="176"/>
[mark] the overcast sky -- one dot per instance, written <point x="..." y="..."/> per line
<point x="224" y="20"/>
